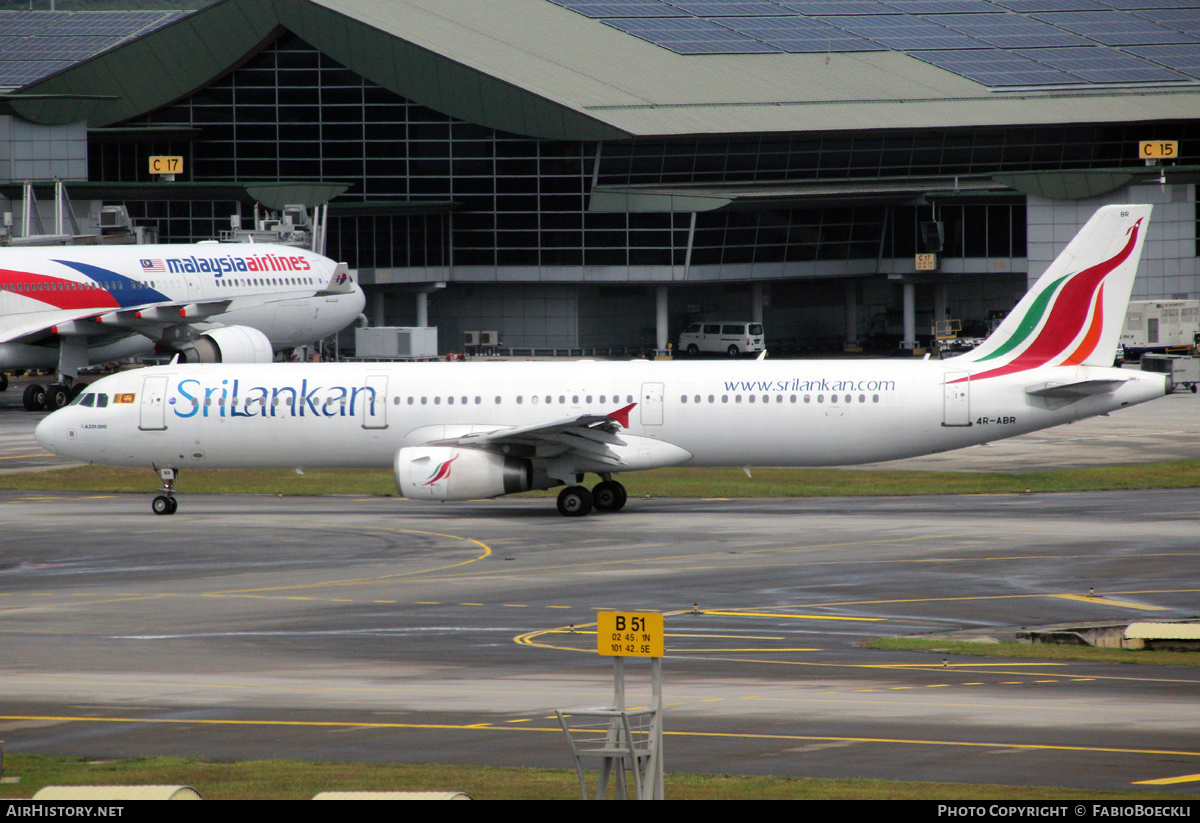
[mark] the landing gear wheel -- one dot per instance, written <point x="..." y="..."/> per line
<point x="734" y="351"/>
<point x="693" y="350"/>
<point x="609" y="496"/>
<point x="34" y="398"/>
<point x="57" y="396"/>
<point x="77" y="389"/>
<point x="3" y="381"/>
<point x="574" y="501"/>
<point x="164" y="505"/>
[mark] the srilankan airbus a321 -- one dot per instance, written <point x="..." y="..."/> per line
<point x="458" y="431"/>
<point x="67" y="307"/>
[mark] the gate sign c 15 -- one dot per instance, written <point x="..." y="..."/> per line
<point x="629" y="634"/>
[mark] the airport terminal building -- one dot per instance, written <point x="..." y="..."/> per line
<point x="593" y="173"/>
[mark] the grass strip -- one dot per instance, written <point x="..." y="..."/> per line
<point x="676" y="482"/>
<point x="1039" y="651"/>
<point x="296" y="780"/>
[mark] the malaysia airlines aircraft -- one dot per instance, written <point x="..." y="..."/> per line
<point x="67" y="307"/>
<point x="457" y="431"/>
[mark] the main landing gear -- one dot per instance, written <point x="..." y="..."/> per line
<point x="607" y="496"/>
<point x="166" y="503"/>
<point x="50" y="398"/>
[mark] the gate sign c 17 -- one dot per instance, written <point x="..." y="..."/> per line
<point x="629" y="634"/>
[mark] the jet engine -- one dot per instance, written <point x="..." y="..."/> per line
<point x="229" y="344"/>
<point x="448" y="473"/>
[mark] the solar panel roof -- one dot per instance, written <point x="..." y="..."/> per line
<point x="36" y="44"/>
<point x="1115" y="28"/>
<point x="690" y="35"/>
<point x="1086" y="41"/>
<point x="798" y="35"/>
<point x="1100" y="65"/>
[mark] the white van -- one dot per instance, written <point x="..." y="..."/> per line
<point x="732" y="338"/>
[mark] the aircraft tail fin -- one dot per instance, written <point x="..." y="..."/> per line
<point x="1072" y="316"/>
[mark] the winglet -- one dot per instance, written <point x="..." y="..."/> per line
<point x="622" y="415"/>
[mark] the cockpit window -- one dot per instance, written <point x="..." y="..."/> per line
<point x="101" y="401"/>
<point x="88" y="399"/>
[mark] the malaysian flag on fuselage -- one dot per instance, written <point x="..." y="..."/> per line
<point x="155" y="266"/>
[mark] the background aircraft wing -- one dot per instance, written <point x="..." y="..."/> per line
<point x="90" y="322"/>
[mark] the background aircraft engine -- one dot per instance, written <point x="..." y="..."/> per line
<point x="447" y="473"/>
<point x="230" y="344"/>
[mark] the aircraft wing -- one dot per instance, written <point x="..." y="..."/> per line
<point x="573" y="445"/>
<point x="588" y="428"/>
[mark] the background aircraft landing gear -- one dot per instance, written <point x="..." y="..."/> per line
<point x="57" y="396"/>
<point x="609" y="496"/>
<point x="34" y="398"/>
<point x="166" y="503"/>
<point x="574" y="501"/>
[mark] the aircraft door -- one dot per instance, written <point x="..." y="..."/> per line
<point x="956" y="398"/>
<point x="153" y="407"/>
<point x="652" y="404"/>
<point x="374" y="400"/>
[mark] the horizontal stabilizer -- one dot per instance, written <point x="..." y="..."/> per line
<point x="1074" y="391"/>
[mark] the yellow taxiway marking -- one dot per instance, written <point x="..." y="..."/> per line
<point x="792" y="616"/>
<point x="1167" y="781"/>
<point x="556" y="730"/>
<point x="24" y="456"/>
<point x="1105" y="601"/>
<point x="697" y="635"/>
<point x="366" y="581"/>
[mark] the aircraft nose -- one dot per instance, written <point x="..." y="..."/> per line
<point x="47" y="432"/>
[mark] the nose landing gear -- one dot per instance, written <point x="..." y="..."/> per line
<point x="166" y="503"/>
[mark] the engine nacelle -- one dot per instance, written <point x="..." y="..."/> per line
<point x="448" y="473"/>
<point x="230" y="344"/>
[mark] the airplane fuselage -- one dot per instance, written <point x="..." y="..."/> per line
<point x="769" y="413"/>
<point x="96" y="294"/>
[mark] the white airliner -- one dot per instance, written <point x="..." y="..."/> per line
<point x="67" y="307"/>
<point x="456" y="431"/>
